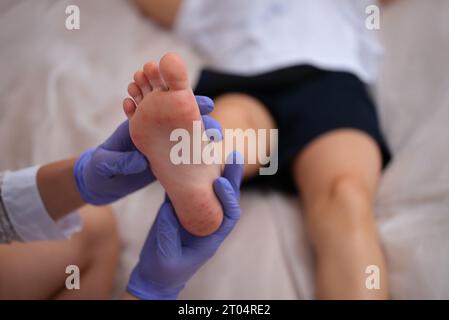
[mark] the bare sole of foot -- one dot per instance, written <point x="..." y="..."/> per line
<point x="162" y="102"/>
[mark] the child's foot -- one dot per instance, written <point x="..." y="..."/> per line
<point x="165" y="102"/>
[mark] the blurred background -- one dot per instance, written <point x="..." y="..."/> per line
<point x="61" y="92"/>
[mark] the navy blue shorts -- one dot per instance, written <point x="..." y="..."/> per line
<point x="305" y="102"/>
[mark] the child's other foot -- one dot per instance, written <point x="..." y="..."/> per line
<point x="165" y="102"/>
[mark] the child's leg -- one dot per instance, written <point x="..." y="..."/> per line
<point x="240" y="111"/>
<point x="36" y="270"/>
<point x="166" y="104"/>
<point x="338" y="175"/>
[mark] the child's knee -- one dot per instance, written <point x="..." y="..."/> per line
<point x="345" y="207"/>
<point x="351" y="193"/>
<point x="99" y="229"/>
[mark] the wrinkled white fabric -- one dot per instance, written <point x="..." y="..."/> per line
<point x="256" y="36"/>
<point x="27" y="213"/>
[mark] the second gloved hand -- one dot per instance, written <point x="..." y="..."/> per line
<point x="171" y="255"/>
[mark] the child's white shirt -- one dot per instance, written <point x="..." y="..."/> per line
<point x="254" y="36"/>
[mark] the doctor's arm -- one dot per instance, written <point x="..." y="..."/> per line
<point x="57" y="188"/>
<point x="39" y="203"/>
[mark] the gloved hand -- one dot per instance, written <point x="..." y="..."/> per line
<point x="116" y="168"/>
<point x="171" y="255"/>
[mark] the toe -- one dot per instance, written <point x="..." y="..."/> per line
<point x="153" y="75"/>
<point x="129" y="107"/>
<point x="134" y="92"/>
<point x="141" y="80"/>
<point x="174" y="72"/>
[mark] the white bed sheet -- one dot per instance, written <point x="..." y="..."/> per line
<point x="61" y="92"/>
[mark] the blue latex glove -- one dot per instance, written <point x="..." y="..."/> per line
<point x="171" y="255"/>
<point x="116" y="168"/>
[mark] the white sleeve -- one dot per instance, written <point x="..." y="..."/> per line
<point x="27" y="213"/>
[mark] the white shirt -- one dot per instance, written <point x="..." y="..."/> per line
<point x="27" y="213"/>
<point x="248" y="37"/>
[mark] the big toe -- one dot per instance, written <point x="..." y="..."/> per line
<point x="174" y="72"/>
